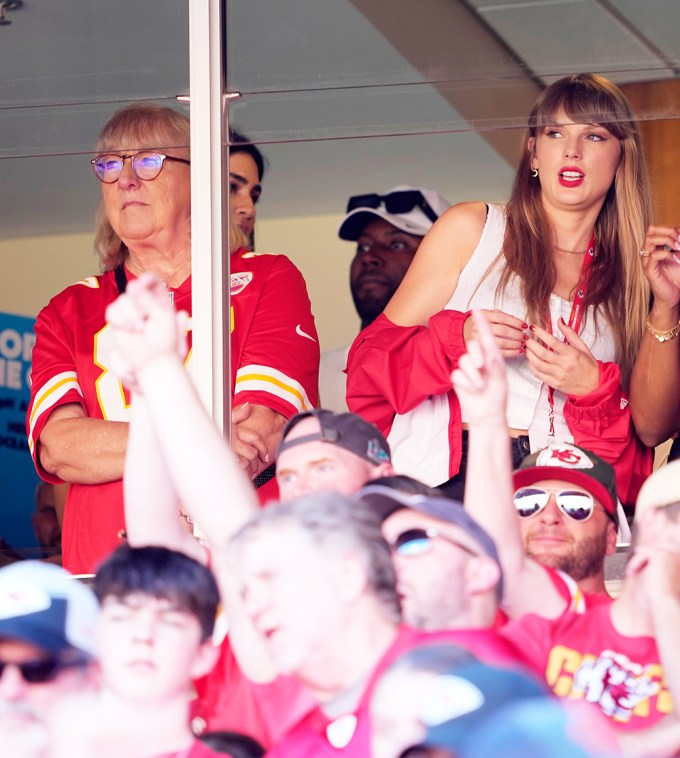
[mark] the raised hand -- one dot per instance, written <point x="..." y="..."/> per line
<point x="567" y="366"/>
<point x="145" y="327"/>
<point x="480" y="381"/>
<point x="660" y="258"/>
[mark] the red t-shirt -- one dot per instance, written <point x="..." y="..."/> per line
<point x="227" y="701"/>
<point x="583" y="657"/>
<point x="310" y="738"/>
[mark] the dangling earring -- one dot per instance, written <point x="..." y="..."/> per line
<point x="534" y="172"/>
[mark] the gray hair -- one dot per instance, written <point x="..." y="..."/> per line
<point x="340" y="525"/>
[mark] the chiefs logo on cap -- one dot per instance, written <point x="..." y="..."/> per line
<point x="564" y="455"/>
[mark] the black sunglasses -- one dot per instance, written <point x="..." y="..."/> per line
<point x="415" y="542"/>
<point x="41" y="671"/>
<point x="402" y="201"/>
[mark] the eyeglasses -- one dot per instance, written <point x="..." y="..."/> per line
<point x="146" y="165"/>
<point x="402" y="201"/>
<point x="414" y="542"/>
<point x="43" y="670"/>
<point x="577" y="505"/>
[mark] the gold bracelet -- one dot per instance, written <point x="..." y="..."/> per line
<point x="660" y="335"/>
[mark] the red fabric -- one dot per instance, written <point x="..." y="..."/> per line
<point x="227" y="701"/>
<point x="391" y="369"/>
<point x="308" y="739"/>
<point x="601" y="422"/>
<point x="69" y="366"/>
<point x="272" y="328"/>
<point x="585" y="658"/>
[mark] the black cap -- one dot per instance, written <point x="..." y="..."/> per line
<point x="346" y="430"/>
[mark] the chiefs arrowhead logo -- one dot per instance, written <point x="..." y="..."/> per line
<point x="240" y="281"/>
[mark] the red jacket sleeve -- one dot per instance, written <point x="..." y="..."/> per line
<point x="601" y="422"/>
<point x="391" y="369"/>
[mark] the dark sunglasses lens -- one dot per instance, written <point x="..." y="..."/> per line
<point x="363" y="201"/>
<point x="34" y="672"/>
<point x="529" y="501"/>
<point x="412" y="542"/>
<point x="147" y="165"/>
<point x="577" y="505"/>
<point x="108" y="168"/>
<point x="402" y="202"/>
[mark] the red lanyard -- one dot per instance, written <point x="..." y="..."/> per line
<point x="575" y="318"/>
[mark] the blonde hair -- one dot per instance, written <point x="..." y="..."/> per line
<point x="142" y="125"/>
<point x="616" y="281"/>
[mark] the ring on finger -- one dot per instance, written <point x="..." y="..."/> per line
<point x="644" y="253"/>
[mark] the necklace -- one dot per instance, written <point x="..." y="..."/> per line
<point x="571" y="252"/>
<point x="169" y="275"/>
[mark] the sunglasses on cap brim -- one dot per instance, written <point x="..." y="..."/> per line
<point x="402" y="201"/>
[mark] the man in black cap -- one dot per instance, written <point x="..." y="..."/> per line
<point x="387" y="230"/>
<point x="326" y="451"/>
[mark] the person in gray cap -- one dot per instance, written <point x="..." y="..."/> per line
<point x="387" y="230"/>
<point x="47" y="648"/>
<point x="448" y="572"/>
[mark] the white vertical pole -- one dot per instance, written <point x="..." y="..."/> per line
<point x="209" y="232"/>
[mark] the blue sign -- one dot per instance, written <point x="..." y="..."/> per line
<point x="18" y="478"/>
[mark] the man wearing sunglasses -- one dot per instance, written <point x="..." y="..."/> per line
<point x="448" y="572"/>
<point x="387" y="230"/>
<point x="47" y="648"/>
<point x="555" y="519"/>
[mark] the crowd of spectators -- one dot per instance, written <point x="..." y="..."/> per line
<point x="424" y="576"/>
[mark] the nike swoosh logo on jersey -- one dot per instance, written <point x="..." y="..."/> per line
<point x="298" y="330"/>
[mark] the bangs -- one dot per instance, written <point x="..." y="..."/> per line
<point x="585" y="99"/>
<point x="144" y="126"/>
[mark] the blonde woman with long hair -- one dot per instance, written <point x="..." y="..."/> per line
<point x="557" y="274"/>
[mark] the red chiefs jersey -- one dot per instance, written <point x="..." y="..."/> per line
<point x="275" y="359"/>
<point x="274" y="345"/>
<point x="583" y="657"/>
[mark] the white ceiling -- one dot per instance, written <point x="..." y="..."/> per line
<point x="347" y="95"/>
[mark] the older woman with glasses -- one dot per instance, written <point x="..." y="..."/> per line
<point x="77" y="418"/>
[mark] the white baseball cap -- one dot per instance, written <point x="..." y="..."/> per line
<point x="44" y="605"/>
<point x="411" y="209"/>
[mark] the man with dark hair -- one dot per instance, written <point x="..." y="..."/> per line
<point x="387" y="230"/>
<point x="47" y="649"/>
<point x="158" y="610"/>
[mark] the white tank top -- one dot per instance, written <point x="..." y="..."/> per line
<point x="528" y="406"/>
